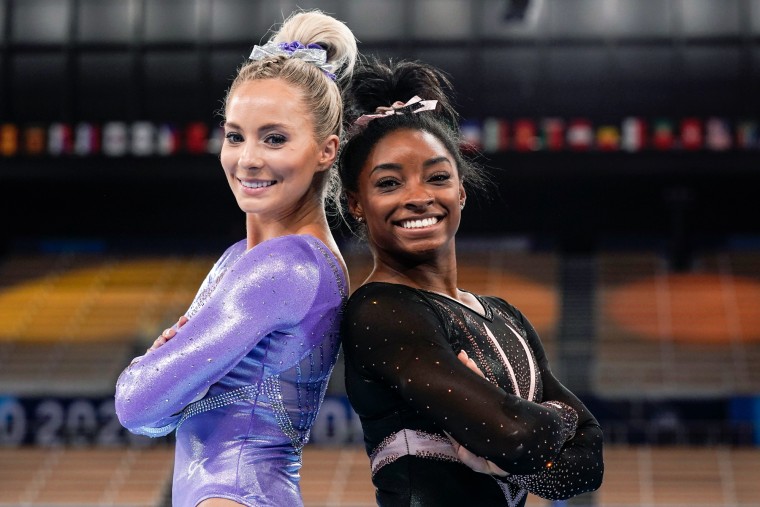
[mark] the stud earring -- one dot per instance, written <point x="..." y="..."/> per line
<point x="359" y="219"/>
<point x="461" y="205"/>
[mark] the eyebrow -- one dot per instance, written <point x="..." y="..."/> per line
<point x="268" y="126"/>
<point x="397" y="167"/>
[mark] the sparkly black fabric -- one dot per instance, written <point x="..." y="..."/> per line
<point x="400" y="347"/>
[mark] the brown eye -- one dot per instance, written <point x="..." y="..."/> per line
<point x="386" y="183"/>
<point x="440" y="177"/>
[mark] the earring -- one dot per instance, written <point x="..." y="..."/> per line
<point x="359" y="218"/>
<point x="461" y="205"/>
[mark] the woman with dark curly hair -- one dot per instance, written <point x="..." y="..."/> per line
<point x="456" y="398"/>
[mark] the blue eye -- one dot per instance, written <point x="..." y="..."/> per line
<point x="233" y="137"/>
<point x="275" y="139"/>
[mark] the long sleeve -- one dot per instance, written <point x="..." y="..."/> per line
<point x="395" y="338"/>
<point x="265" y="293"/>
<point x="579" y="467"/>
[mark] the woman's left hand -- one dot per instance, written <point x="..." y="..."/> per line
<point x="168" y="334"/>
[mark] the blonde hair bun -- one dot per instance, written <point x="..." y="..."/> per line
<point x="316" y="27"/>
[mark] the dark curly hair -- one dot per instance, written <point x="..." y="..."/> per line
<point x="376" y="84"/>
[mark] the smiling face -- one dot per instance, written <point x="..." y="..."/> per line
<point x="409" y="195"/>
<point x="270" y="155"/>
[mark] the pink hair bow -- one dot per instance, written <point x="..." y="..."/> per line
<point x="413" y="105"/>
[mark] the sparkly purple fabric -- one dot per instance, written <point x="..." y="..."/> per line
<point x="243" y="380"/>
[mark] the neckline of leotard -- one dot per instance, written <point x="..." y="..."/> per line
<point x="487" y="312"/>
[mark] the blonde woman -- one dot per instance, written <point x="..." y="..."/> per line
<point x="241" y="377"/>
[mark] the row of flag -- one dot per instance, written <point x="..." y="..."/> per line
<point x="113" y="139"/>
<point x="490" y="135"/>
<point x="632" y="134"/>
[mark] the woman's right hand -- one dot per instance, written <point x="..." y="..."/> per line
<point x="168" y="334"/>
<point x="462" y="356"/>
<point x="476" y="463"/>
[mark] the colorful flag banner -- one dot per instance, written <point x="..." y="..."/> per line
<point x="196" y="138"/>
<point x="692" y="136"/>
<point x="115" y="139"/>
<point x="35" y="140"/>
<point x="472" y="139"/>
<point x="553" y="134"/>
<point x="60" y="139"/>
<point x="492" y="135"/>
<point x="168" y="139"/>
<point x="143" y="139"/>
<point x="663" y="137"/>
<point x="608" y="138"/>
<point x="525" y="135"/>
<point x="580" y="134"/>
<point x="718" y="134"/>
<point x="495" y="135"/>
<point x="634" y="134"/>
<point x="86" y="139"/>
<point x="8" y="139"/>
<point x="748" y="135"/>
<point x="215" y="140"/>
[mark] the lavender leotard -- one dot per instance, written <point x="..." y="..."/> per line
<point x="243" y="379"/>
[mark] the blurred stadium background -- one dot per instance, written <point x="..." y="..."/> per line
<point x="624" y="139"/>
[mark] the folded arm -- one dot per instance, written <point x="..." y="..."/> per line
<point x="579" y="466"/>
<point x="268" y="289"/>
<point x="398" y="340"/>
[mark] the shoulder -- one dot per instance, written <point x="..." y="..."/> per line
<point x="390" y="306"/>
<point x="287" y="244"/>
<point x="231" y="253"/>
<point x="503" y="305"/>
<point x="290" y="252"/>
<point x="520" y="316"/>
<point x="513" y="315"/>
<point x="384" y="314"/>
<point x="382" y="292"/>
<point x="508" y="311"/>
<point x="277" y="263"/>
